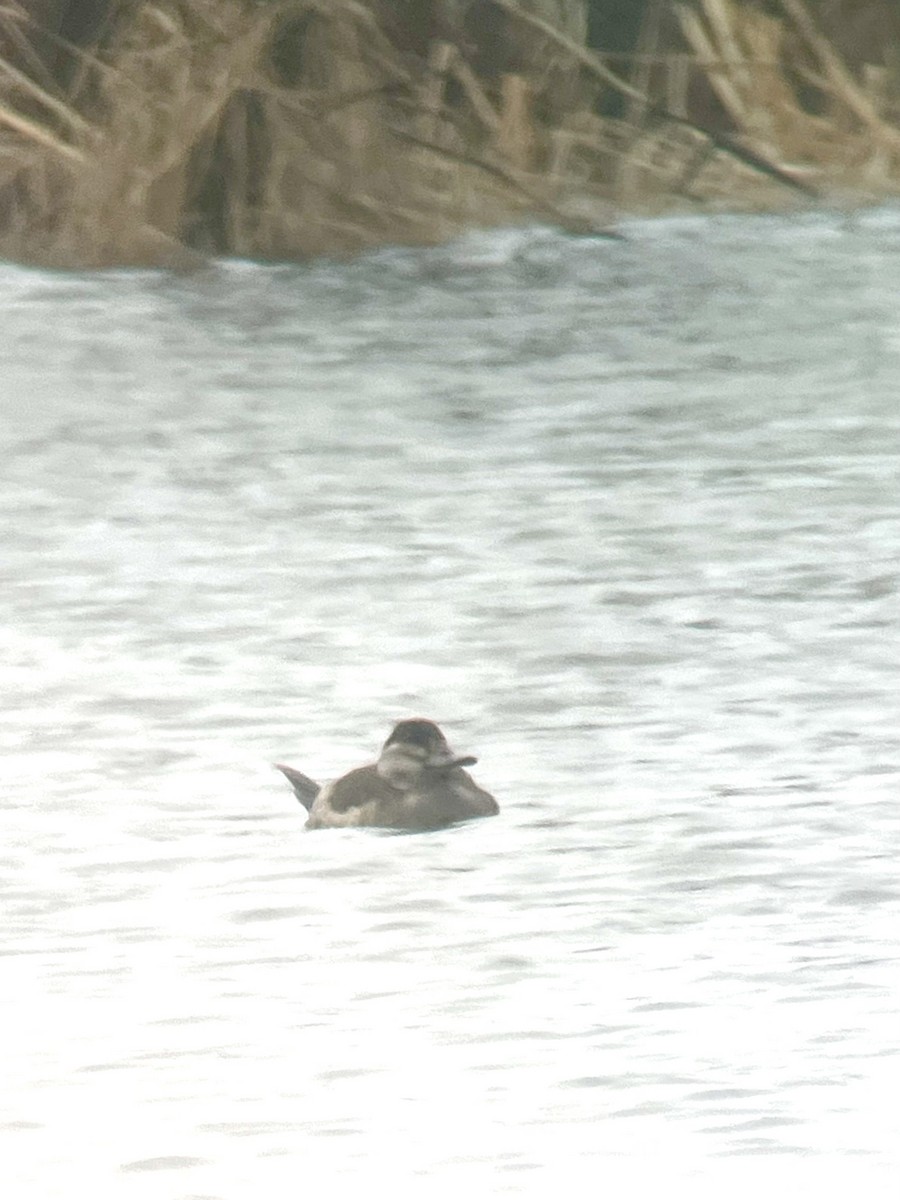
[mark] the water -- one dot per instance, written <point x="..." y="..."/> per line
<point x="624" y="518"/>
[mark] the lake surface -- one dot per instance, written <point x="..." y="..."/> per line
<point x="625" y="518"/>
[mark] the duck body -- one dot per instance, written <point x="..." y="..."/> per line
<point x="417" y="783"/>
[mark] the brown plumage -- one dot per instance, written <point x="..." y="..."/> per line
<point x="417" y="783"/>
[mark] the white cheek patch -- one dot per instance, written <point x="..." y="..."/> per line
<point x="401" y="766"/>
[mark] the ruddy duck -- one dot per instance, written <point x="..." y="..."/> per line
<point x="417" y="783"/>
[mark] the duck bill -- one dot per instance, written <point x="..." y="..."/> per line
<point x="445" y="761"/>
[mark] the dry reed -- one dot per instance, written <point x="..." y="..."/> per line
<point x="279" y="130"/>
<point x="292" y="128"/>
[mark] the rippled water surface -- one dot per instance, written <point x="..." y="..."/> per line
<point x="625" y="518"/>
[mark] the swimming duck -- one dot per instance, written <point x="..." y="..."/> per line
<point x="417" y="783"/>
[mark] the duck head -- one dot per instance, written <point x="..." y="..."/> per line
<point x="415" y="751"/>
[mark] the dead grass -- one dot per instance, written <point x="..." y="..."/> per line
<point x="296" y="128"/>
<point x="276" y="131"/>
<point x="761" y="64"/>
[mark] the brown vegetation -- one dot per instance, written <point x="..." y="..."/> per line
<point x="165" y="132"/>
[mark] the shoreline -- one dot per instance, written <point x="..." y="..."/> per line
<point x="226" y="128"/>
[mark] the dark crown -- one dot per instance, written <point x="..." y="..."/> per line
<point x="417" y="732"/>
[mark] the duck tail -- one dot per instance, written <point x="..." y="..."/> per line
<point x="305" y="789"/>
